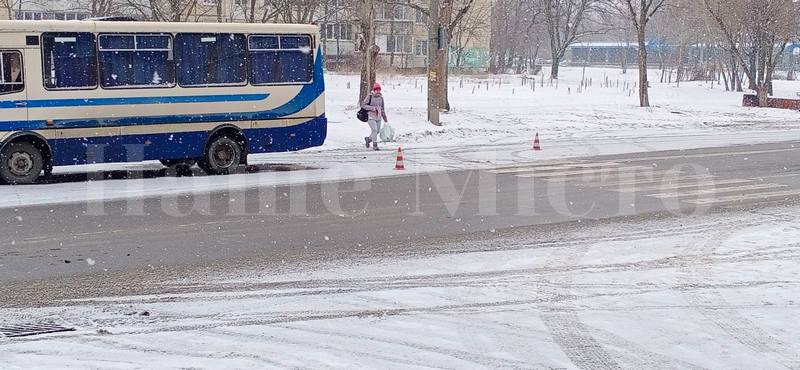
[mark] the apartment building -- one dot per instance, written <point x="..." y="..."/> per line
<point x="401" y="35"/>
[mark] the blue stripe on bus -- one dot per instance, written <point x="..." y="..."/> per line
<point x="134" y="148"/>
<point x="307" y="95"/>
<point x="52" y="103"/>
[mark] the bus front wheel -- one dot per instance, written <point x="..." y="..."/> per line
<point x="222" y="156"/>
<point x="22" y="163"/>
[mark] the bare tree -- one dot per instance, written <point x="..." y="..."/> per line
<point x="292" y="11"/>
<point x="162" y="10"/>
<point x="12" y="6"/>
<point x="757" y="32"/>
<point x="639" y="13"/>
<point x="473" y="27"/>
<point x="366" y="46"/>
<point x="682" y="24"/>
<point x="451" y="14"/>
<point x="516" y="34"/>
<point x="566" y="23"/>
<point x="98" y="8"/>
<point x="8" y="7"/>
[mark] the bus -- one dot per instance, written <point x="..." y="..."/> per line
<point x="83" y="92"/>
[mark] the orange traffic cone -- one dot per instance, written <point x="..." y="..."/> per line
<point x="536" y="145"/>
<point x="400" y="165"/>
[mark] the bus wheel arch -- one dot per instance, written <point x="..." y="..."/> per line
<point x="28" y="147"/>
<point x="225" y="149"/>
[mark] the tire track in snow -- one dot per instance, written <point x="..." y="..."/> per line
<point x="576" y="338"/>
<point x="712" y="305"/>
<point x="474" y="357"/>
<point x="127" y="344"/>
<point x="468" y="279"/>
<point x="323" y="345"/>
<point x="565" y="326"/>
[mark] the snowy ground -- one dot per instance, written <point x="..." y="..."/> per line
<point x="713" y="292"/>
<point x="493" y="122"/>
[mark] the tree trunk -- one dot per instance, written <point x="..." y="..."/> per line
<point x="392" y="36"/>
<point x="554" y="69"/>
<point x="763" y="95"/>
<point x="370" y="51"/>
<point x="445" y="90"/>
<point x="644" y="96"/>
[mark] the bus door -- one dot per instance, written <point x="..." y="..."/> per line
<point x="13" y="96"/>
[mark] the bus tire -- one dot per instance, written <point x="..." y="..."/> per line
<point x="222" y="156"/>
<point x="20" y="163"/>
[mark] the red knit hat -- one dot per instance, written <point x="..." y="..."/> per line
<point x="376" y="87"/>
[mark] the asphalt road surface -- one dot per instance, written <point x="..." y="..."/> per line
<point x="82" y="242"/>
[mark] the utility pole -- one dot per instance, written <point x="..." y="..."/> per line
<point x="435" y="44"/>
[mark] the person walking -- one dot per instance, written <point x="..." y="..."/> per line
<point x="376" y="106"/>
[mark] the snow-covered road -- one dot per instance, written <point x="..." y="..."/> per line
<point x="720" y="291"/>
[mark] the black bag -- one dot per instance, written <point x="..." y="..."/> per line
<point x="363" y="114"/>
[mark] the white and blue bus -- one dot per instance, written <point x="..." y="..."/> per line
<point x="79" y="92"/>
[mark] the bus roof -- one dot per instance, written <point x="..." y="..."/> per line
<point x="166" y="27"/>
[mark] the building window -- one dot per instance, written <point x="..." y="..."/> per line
<point x="394" y="12"/>
<point x="421" y="48"/>
<point x="69" y="60"/>
<point x="280" y="59"/>
<point x="398" y="44"/>
<point x="136" y="60"/>
<point x="205" y="59"/>
<point x="421" y="17"/>
<point x="338" y="31"/>
<point x="11" y="77"/>
<point x="57" y="15"/>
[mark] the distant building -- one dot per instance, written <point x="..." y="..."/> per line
<point x="60" y="15"/>
<point x="401" y="33"/>
<point x="602" y="53"/>
<point x="42" y="10"/>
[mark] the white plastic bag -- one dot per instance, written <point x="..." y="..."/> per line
<point x="387" y="133"/>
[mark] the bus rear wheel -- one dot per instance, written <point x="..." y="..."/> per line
<point x="20" y="163"/>
<point x="222" y="156"/>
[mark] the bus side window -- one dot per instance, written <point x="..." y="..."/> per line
<point x="69" y="60"/>
<point x="11" y="76"/>
<point x="209" y="59"/>
<point x="136" y="60"/>
<point x="280" y="59"/>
